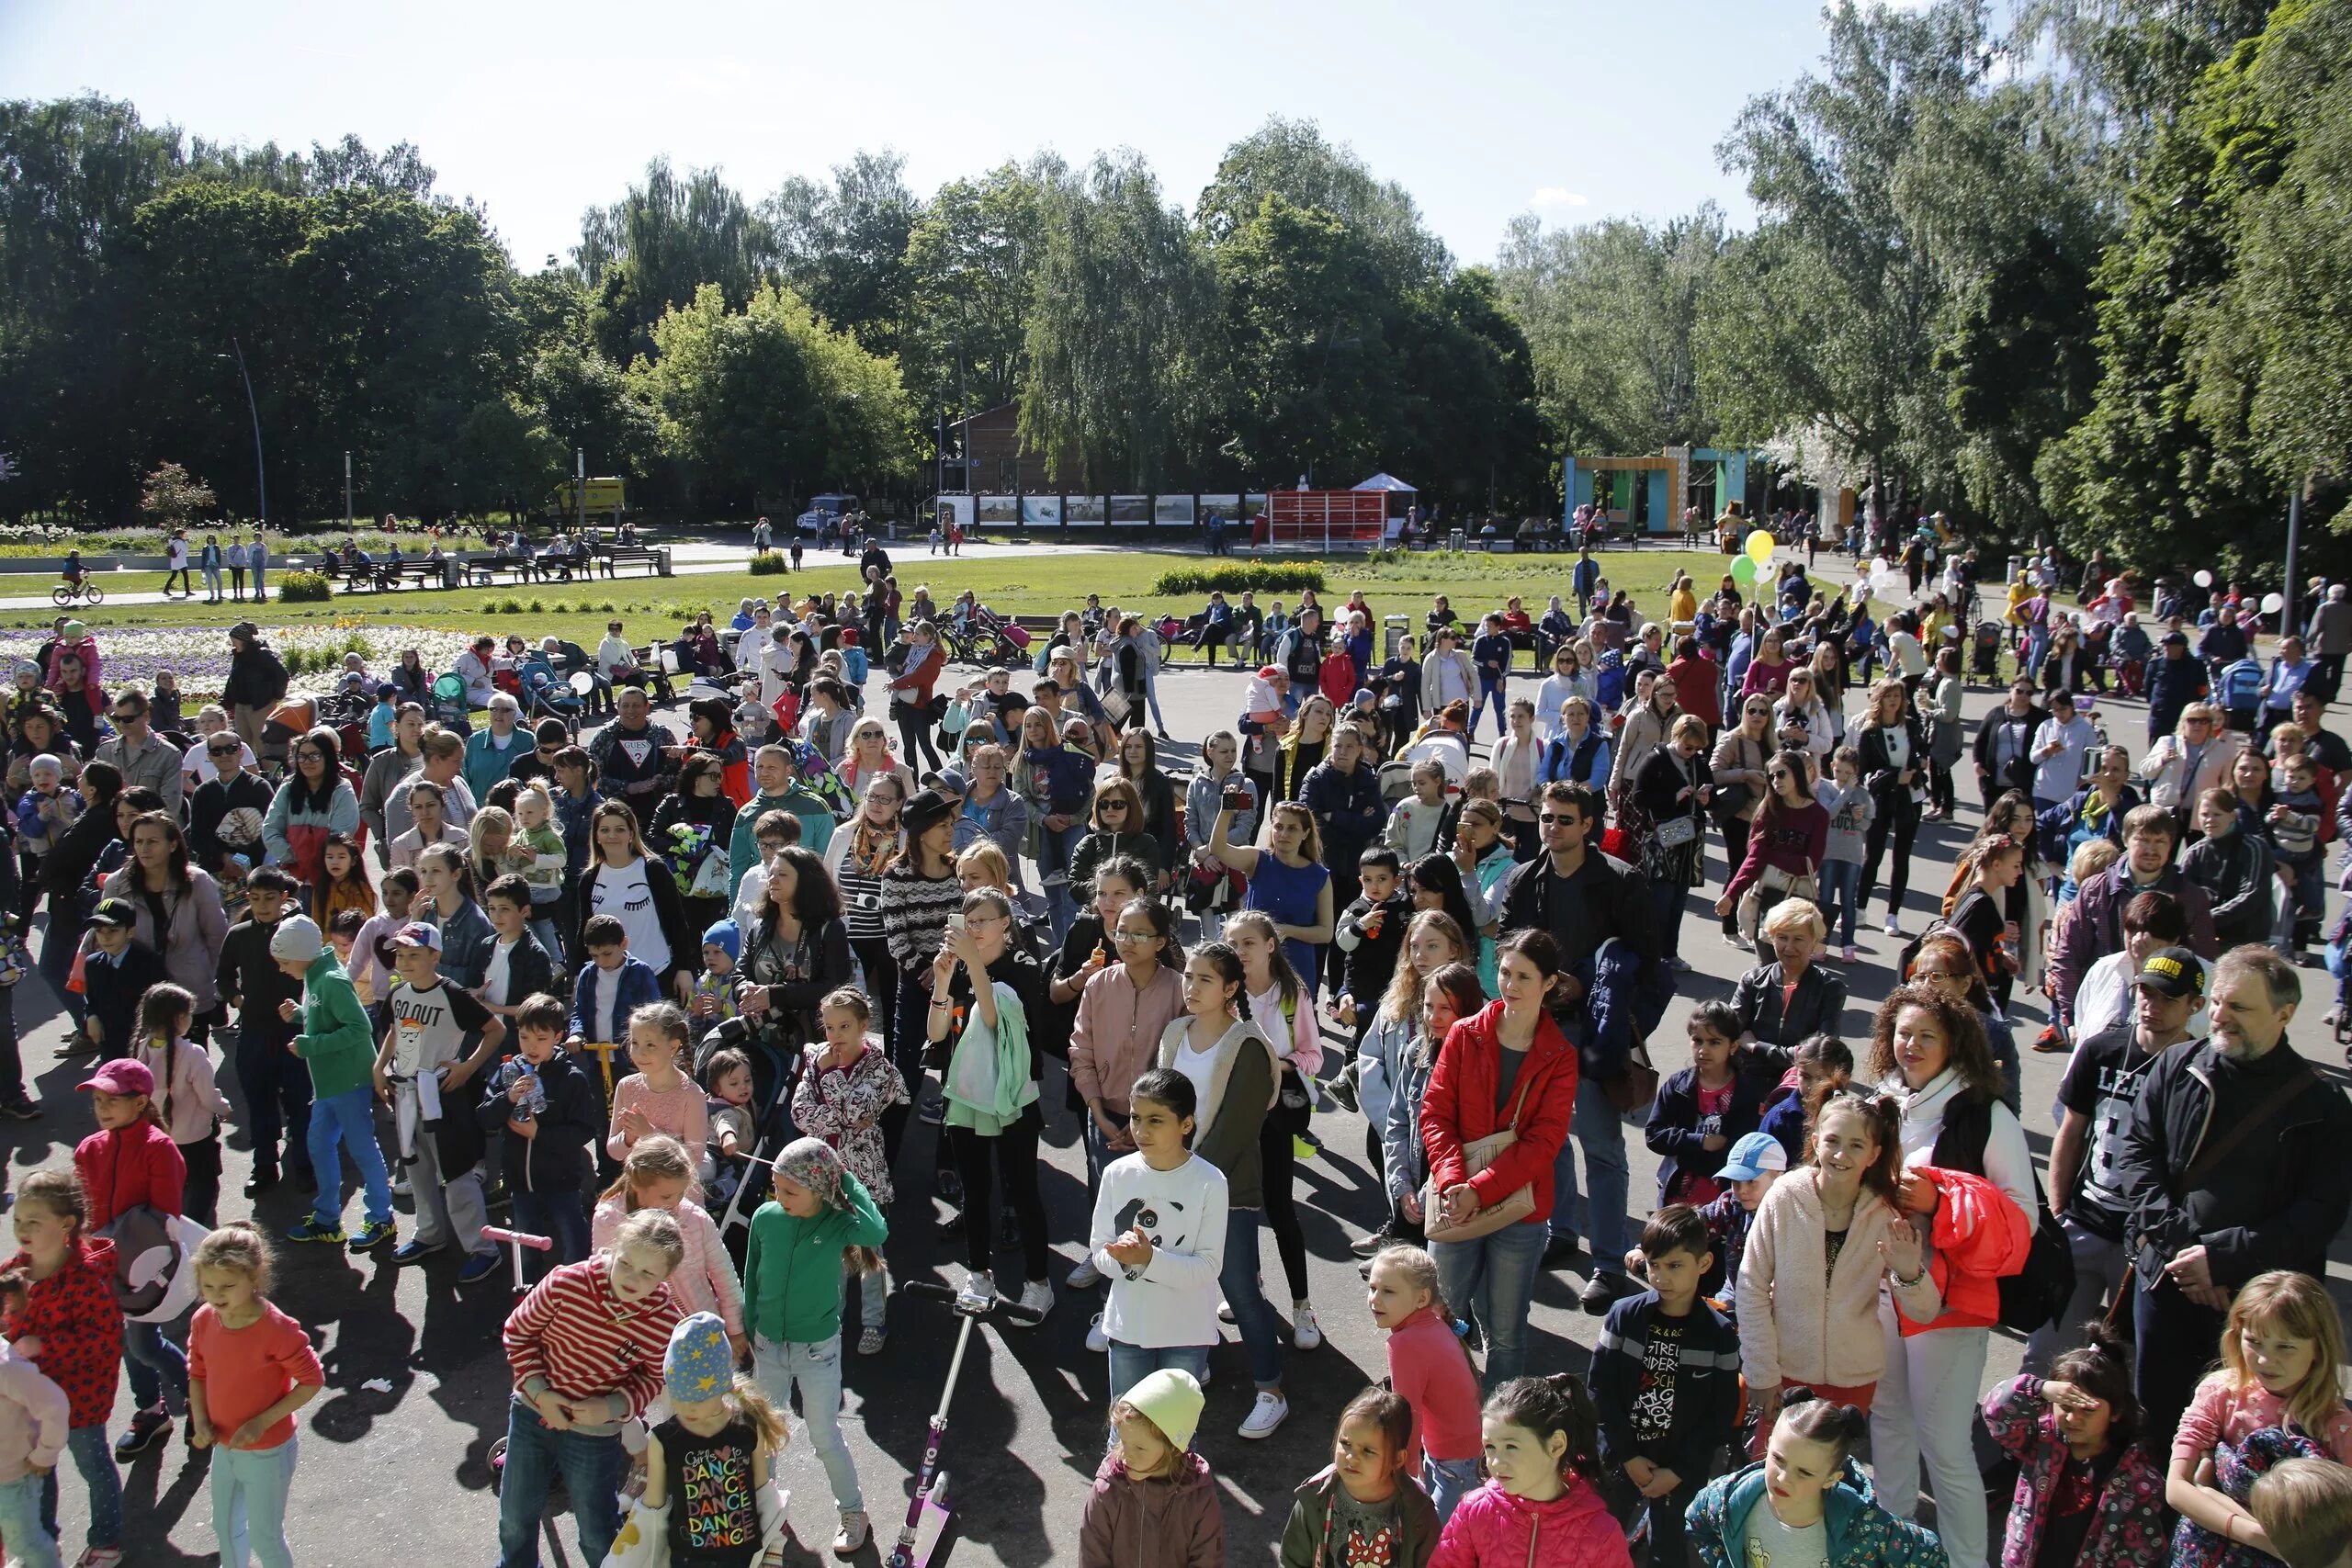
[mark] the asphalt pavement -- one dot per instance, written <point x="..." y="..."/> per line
<point x="394" y="1463"/>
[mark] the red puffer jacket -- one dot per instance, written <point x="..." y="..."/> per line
<point x="1458" y="1108"/>
<point x="1978" y="1237"/>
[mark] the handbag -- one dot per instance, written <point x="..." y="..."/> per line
<point x="1115" y="706"/>
<point x="1476" y="1156"/>
<point x="1677" y="831"/>
<point x="2037" y="1292"/>
<point x="1789" y="884"/>
<point x="1632" y="1089"/>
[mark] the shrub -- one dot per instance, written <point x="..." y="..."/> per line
<point x="769" y="563"/>
<point x="303" y="588"/>
<point x="505" y="607"/>
<point x="1255" y="577"/>
<point x="539" y="607"/>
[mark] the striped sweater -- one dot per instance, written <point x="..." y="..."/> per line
<point x="574" y="1336"/>
<point x="914" y="914"/>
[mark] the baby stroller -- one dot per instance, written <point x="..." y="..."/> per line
<point x="546" y="694"/>
<point x="1984" y="653"/>
<point x="450" y="708"/>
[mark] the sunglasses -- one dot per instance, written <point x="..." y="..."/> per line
<point x="1551" y="817"/>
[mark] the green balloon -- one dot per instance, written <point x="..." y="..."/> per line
<point x="1743" y="569"/>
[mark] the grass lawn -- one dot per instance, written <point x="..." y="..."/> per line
<point x="1024" y="585"/>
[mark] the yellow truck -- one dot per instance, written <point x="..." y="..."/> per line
<point x="607" y="498"/>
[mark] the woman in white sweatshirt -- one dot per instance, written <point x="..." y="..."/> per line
<point x="1930" y="1053"/>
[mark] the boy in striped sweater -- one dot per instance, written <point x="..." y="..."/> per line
<point x="586" y="1347"/>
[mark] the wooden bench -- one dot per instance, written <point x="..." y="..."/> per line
<point x="538" y="569"/>
<point x="653" y="557"/>
<point x="378" y="575"/>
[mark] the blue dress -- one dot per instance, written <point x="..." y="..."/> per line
<point x="1288" y="895"/>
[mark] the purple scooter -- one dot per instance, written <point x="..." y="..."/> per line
<point x="927" y="1510"/>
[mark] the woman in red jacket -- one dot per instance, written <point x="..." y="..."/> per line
<point x="919" y="669"/>
<point x="1507" y="1070"/>
<point x="128" y="1162"/>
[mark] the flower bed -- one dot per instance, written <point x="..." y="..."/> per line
<point x="199" y="655"/>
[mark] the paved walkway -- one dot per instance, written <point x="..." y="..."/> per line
<point x="688" y="559"/>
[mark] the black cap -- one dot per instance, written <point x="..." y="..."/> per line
<point x="2171" y="638"/>
<point x="2171" y="971"/>
<point x="115" y="912"/>
<point x="925" y="810"/>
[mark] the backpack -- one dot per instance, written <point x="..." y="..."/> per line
<point x="2241" y="684"/>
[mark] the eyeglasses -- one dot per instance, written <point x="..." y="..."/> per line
<point x="1937" y="974"/>
<point x="1135" y="936"/>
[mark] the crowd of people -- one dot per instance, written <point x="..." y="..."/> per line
<point x="421" y="938"/>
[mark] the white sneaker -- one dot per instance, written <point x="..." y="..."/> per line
<point x="1096" y="1340"/>
<point x="1085" y="1277"/>
<point x="851" y="1537"/>
<point x="1894" y="926"/>
<point x="978" y="1293"/>
<point x="1269" y="1411"/>
<point x="1037" y="1296"/>
<point x="1224" y="1309"/>
<point x="1306" y="1334"/>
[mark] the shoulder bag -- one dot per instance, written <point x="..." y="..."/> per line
<point x="1476" y="1156"/>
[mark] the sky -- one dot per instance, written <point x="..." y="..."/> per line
<point x="1483" y="109"/>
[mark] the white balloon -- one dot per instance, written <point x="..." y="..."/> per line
<point x="2273" y="602"/>
<point x="2203" y="579"/>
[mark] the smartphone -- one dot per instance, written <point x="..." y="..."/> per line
<point x="956" y="923"/>
<point x="1237" y="800"/>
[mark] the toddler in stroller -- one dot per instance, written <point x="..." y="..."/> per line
<point x="546" y="694"/>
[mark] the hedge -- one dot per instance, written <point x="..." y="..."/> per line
<point x="768" y="563"/>
<point x="303" y="588"/>
<point x="1253" y="576"/>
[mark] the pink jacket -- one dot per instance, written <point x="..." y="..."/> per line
<point x="1491" y="1529"/>
<point x="33" y="1417"/>
<point x="1978" y="1236"/>
<point x="705" y="1281"/>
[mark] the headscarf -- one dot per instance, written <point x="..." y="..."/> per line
<point x="815" y="1165"/>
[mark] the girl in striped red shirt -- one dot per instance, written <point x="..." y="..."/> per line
<point x="586" y="1348"/>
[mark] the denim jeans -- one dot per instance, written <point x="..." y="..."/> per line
<point x="1595" y="1126"/>
<point x="1842" y="886"/>
<point x="873" y="1296"/>
<point x="93" y="1457"/>
<point x="348" y="1118"/>
<point x="249" y="1488"/>
<point x="1130" y="1364"/>
<point x="816" y="1368"/>
<point x="536" y="1455"/>
<point x="1448" y="1480"/>
<point x="557" y="1215"/>
<point x="1494" y="1277"/>
<point x="1490" y="691"/>
<point x="1054" y="851"/>
<point x="155" y="1362"/>
<point x="1238" y="1279"/>
<point x="20" y="1525"/>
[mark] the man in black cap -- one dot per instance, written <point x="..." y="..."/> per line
<point x="2101" y="1085"/>
<point x="2174" y="680"/>
<point x="2238" y="1160"/>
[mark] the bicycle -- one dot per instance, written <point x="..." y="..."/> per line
<point x="987" y="641"/>
<point x="85" y="590"/>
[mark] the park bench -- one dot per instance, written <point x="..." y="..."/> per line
<point x="653" y="557"/>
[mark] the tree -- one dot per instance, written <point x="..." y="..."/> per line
<point x="971" y="266"/>
<point x="170" y="498"/>
<point x="1609" y="310"/>
<point x="762" y="402"/>
<point x="1289" y="159"/>
<point x="842" y="247"/>
<point x="1123" y="304"/>
<point x="1828" y="315"/>
<point x="659" y="244"/>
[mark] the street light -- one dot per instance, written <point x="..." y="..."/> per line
<point x="261" y="480"/>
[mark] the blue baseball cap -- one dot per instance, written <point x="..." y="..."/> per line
<point x="1752" y="1157"/>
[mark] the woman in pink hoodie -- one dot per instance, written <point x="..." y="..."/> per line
<point x="1540" y="1506"/>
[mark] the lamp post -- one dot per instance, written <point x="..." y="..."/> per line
<point x="261" y="479"/>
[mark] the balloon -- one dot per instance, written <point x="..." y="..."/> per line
<point x="2273" y="602"/>
<point x="2203" y="579"/>
<point x="1761" y="545"/>
<point x="1743" y="569"/>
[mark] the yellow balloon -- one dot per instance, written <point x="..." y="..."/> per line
<point x="1760" y="546"/>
